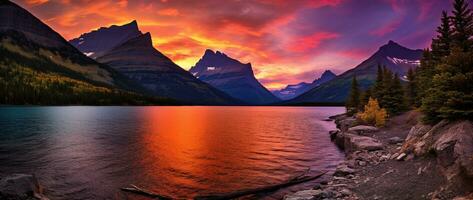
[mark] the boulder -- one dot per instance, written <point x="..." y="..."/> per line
<point x="451" y="142"/>
<point x="454" y="149"/>
<point x="333" y="134"/>
<point x="395" y="140"/>
<point x="345" y="123"/>
<point x="304" y="195"/>
<point x="343" y="170"/>
<point x="20" y="187"/>
<point x="363" y="130"/>
<point x="359" y="143"/>
<point x="340" y="140"/>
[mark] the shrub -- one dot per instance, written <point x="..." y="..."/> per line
<point x="373" y="114"/>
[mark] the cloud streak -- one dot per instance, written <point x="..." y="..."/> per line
<point x="286" y="41"/>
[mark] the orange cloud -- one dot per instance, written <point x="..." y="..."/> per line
<point x="36" y="2"/>
<point x="274" y="35"/>
<point x="169" y="12"/>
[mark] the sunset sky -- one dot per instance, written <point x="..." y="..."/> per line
<point x="286" y="41"/>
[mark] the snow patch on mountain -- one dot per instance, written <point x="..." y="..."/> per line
<point x="403" y="61"/>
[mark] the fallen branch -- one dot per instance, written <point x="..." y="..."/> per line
<point x="293" y="181"/>
<point x="137" y="190"/>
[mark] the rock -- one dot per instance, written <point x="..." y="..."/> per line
<point x="363" y="130"/>
<point x="454" y="148"/>
<point x="346" y="123"/>
<point x="333" y="134"/>
<point x="451" y="142"/>
<point x="304" y="195"/>
<point x="401" y="156"/>
<point x="355" y="142"/>
<point x="361" y="163"/>
<point x="384" y="157"/>
<point x="345" y="192"/>
<point x="409" y="157"/>
<point x="343" y="170"/>
<point x="395" y="140"/>
<point x="394" y="156"/>
<point x="340" y="140"/>
<point x="317" y="186"/>
<point x="324" y="182"/>
<point x="20" y="186"/>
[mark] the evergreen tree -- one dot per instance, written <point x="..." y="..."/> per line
<point x="424" y="75"/>
<point x="353" y="103"/>
<point x="365" y="97"/>
<point x="411" y="88"/>
<point x="378" y="87"/>
<point x="462" y="21"/>
<point x="441" y="44"/>
<point x="451" y="95"/>
<point x="393" y="99"/>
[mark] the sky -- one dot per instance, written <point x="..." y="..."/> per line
<point x="286" y="41"/>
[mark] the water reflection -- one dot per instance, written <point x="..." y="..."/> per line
<point x="90" y="152"/>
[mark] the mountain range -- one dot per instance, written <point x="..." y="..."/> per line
<point x="38" y="66"/>
<point x="391" y="55"/>
<point x="292" y="91"/>
<point x="130" y="52"/>
<point x="232" y="77"/>
<point x="120" y="65"/>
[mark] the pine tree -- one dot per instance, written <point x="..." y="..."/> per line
<point x="365" y="97"/>
<point x="393" y="99"/>
<point x="378" y="87"/>
<point x="411" y="88"/>
<point x="353" y="103"/>
<point x="425" y="73"/>
<point x="441" y="44"/>
<point x="462" y="21"/>
<point x="450" y="95"/>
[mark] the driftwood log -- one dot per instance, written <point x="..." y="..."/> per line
<point x="240" y="193"/>
<point x="137" y="190"/>
<point x="232" y="195"/>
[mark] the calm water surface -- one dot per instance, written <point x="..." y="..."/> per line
<point x="90" y="152"/>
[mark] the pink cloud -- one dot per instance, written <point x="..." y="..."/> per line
<point x="386" y="29"/>
<point x="312" y="41"/>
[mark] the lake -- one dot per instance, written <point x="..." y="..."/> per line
<point x="82" y="152"/>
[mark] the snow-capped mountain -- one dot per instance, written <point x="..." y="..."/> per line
<point x="232" y="77"/>
<point x="395" y="57"/>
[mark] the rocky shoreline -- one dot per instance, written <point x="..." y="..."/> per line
<point x="404" y="160"/>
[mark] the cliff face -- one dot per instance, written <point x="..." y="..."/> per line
<point x="141" y="62"/>
<point x="96" y="43"/>
<point x="232" y="77"/>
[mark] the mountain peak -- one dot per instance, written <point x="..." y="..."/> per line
<point x="231" y="76"/>
<point x="328" y="73"/>
<point x="144" y="40"/>
<point x="98" y="42"/>
<point x="392" y="45"/>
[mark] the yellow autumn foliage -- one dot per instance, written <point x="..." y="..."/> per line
<point x="373" y="114"/>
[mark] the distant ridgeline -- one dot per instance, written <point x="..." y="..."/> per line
<point x="393" y="56"/>
<point x="38" y="66"/>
